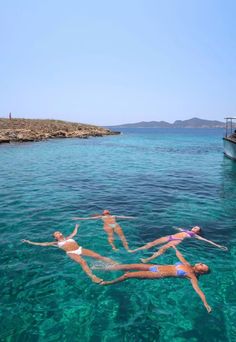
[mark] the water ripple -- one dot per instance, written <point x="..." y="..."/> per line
<point x="165" y="179"/>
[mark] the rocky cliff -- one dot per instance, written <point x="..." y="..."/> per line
<point x="21" y="130"/>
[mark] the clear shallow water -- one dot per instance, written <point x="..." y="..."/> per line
<point x="165" y="178"/>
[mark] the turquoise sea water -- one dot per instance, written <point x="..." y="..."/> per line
<point x="165" y="178"/>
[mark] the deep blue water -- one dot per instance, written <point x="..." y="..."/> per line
<point x="165" y="178"/>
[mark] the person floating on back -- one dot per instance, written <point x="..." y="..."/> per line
<point x="110" y="226"/>
<point x="181" y="269"/>
<point x="174" y="240"/>
<point x="74" y="251"/>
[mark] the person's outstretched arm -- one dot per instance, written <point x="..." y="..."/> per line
<point x="125" y="217"/>
<point x="74" y="232"/>
<point x="200" y="293"/>
<point x="211" y="242"/>
<point x="180" y="256"/>
<point x="54" y="243"/>
<point x="87" y="218"/>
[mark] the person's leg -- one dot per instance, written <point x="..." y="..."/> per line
<point x="152" y="244"/>
<point x="85" y="267"/>
<point x="89" y="253"/>
<point x="134" y="275"/>
<point x="128" y="267"/>
<point x="161" y="251"/>
<point x="119" y="232"/>
<point x="110" y="237"/>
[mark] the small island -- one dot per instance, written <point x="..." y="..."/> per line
<point x="23" y="130"/>
<point x="190" y="123"/>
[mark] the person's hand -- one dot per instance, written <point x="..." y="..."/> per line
<point x="173" y="246"/>
<point x="209" y="309"/>
<point x="76" y="226"/>
<point x="25" y="241"/>
<point x="223" y="248"/>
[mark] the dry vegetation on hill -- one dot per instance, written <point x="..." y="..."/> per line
<point x="21" y="130"/>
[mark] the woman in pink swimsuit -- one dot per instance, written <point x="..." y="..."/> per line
<point x="74" y="251"/>
<point x="174" y="240"/>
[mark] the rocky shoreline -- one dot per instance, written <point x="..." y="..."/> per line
<point x="23" y="130"/>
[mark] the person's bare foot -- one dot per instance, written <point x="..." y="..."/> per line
<point x="115" y="249"/>
<point x="144" y="260"/>
<point x="97" y="280"/>
<point x="105" y="282"/>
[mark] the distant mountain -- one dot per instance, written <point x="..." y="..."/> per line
<point x="198" y="123"/>
<point x="144" y="124"/>
<point x="191" y="123"/>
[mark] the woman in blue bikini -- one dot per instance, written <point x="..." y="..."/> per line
<point x="110" y="227"/>
<point x="74" y="251"/>
<point x="174" y="240"/>
<point x="181" y="269"/>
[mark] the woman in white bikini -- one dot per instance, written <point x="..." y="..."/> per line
<point x="74" y="251"/>
<point x="110" y="227"/>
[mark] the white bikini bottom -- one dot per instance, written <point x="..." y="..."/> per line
<point x="76" y="251"/>
<point x="112" y="225"/>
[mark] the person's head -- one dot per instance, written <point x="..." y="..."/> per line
<point x="200" y="269"/>
<point x="106" y="212"/>
<point x="196" y="230"/>
<point x="58" y="235"/>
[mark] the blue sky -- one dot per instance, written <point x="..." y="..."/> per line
<point x="111" y="62"/>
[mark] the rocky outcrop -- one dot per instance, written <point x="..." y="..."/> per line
<point x="22" y="130"/>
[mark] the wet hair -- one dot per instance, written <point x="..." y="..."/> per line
<point x="199" y="232"/>
<point x="198" y="274"/>
<point x="57" y="231"/>
<point x="208" y="271"/>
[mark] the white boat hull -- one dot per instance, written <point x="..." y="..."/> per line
<point x="230" y="148"/>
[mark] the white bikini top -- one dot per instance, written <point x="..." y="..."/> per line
<point x="62" y="243"/>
